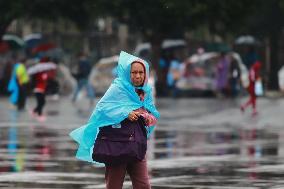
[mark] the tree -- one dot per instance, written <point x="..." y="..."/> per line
<point x="161" y="19"/>
<point x="266" y="21"/>
<point x="77" y="11"/>
<point x="225" y="17"/>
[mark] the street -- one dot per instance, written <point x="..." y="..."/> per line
<point x="198" y="143"/>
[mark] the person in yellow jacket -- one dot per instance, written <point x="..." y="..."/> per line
<point x="18" y="85"/>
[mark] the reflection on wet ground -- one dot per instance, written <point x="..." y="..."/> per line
<point x="37" y="155"/>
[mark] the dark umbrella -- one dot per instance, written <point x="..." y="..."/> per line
<point x="32" y="40"/>
<point x="4" y="47"/>
<point x="13" y="41"/>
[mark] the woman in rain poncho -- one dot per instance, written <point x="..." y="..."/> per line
<point x="128" y="97"/>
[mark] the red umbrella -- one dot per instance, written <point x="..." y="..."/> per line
<point x="4" y="47"/>
<point x="43" y="47"/>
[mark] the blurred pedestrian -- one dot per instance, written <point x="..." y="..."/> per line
<point x="128" y="100"/>
<point x="18" y="85"/>
<point x="53" y="85"/>
<point x="222" y="74"/>
<point x="161" y="84"/>
<point x="40" y="82"/>
<point x="234" y="77"/>
<point x="254" y="75"/>
<point x="250" y="56"/>
<point x="82" y="77"/>
<point x="174" y="75"/>
<point x="152" y="80"/>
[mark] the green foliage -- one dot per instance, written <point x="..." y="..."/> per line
<point x="78" y="11"/>
<point x="75" y="10"/>
<point x="164" y="17"/>
<point x="171" y="18"/>
<point x="267" y="16"/>
<point x="159" y="16"/>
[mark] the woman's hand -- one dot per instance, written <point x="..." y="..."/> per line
<point x="133" y="116"/>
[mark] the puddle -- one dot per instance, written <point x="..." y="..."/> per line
<point x="37" y="156"/>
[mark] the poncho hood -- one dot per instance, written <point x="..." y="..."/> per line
<point x="118" y="101"/>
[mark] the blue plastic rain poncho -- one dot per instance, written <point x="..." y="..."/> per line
<point x="118" y="101"/>
<point x="13" y="86"/>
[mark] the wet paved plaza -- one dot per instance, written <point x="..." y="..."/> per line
<point x="198" y="143"/>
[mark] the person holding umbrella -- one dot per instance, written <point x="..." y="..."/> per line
<point x="42" y="73"/>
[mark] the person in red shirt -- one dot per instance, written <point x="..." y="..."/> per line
<point x="41" y="80"/>
<point x="254" y="75"/>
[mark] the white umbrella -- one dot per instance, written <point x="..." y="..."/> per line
<point x="170" y="43"/>
<point x="202" y="57"/>
<point x="245" y="40"/>
<point x="108" y="60"/>
<point x="141" y="47"/>
<point x="32" y="36"/>
<point x="167" y="43"/>
<point x="13" y="40"/>
<point x="41" y="67"/>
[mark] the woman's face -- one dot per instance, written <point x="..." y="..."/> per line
<point x="137" y="74"/>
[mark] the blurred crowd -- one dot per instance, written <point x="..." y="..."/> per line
<point x="202" y="73"/>
<point x="219" y="73"/>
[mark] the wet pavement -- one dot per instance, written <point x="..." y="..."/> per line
<point x="198" y="143"/>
